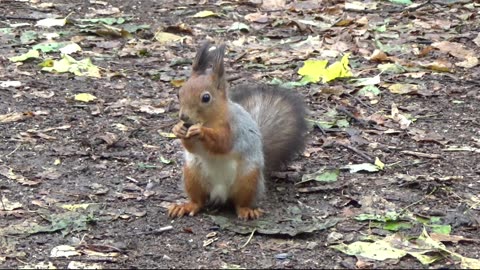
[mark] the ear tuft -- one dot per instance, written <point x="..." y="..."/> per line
<point x="200" y="63"/>
<point x="217" y="61"/>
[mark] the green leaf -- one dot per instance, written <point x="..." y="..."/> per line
<point x="25" y="56"/>
<point x="48" y="47"/>
<point x="442" y="229"/>
<point x="391" y="68"/>
<point x="28" y="36"/>
<point x="142" y="165"/>
<point x="323" y="175"/>
<point x="403" y="2"/>
<point x="369" y="89"/>
<point x="107" y="20"/>
<point x="164" y="160"/>
<point x="397" y="225"/>
<point x="342" y="123"/>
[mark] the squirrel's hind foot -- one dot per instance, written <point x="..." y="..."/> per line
<point x="179" y="210"/>
<point x="246" y="213"/>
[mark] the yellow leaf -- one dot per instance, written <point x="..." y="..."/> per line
<point x="379" y="163"/>
<point x="83" y="67"/>
<point x="312" y="70"/>
<point x="167" y="134"/>
<point x="73" y="207"/>
<point x="164" y="37"/>
<point x="205" y="13"/>
<point x="57" y="161"/>
<point x="25" y="56"/>
<point x="85" y="97"/>
<point x="399" y="88"/>
<point x="177" y="82"/>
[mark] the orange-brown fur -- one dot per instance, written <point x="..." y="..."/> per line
<point x="243" y="195"/>
<point x="198" y="196"/>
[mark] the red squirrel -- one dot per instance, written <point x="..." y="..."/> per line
<point x="233" y="137"/>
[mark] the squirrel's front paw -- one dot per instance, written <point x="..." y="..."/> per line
<point x="246" y="213"/>
<point x="180" y="130"/>
<point x="195" y="130"/>
<point x="179" y="210"/>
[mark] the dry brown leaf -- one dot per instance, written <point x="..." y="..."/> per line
<point x="273" y="4"/>
<point x="257" y="17"/>
<point x="8" y="173"/>
<point x="459" y="51"/>
<point x="15" y="116"/>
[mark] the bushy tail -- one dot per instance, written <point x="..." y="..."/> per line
<point x="280" y="114"/>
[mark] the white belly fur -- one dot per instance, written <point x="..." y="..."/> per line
<point x="218" y="174"/>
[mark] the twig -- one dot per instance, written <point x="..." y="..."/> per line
<point x="420" y="154"/>
<point x="350" y="114"/>
<point x="365" y="156"/>
<point x="159" y="231"/>
<point x="249" y="238"/>
<point x="14" y="150"/>
<point x="419" y="201"/>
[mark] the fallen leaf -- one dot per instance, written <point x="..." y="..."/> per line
<point x="83" y="265"/>
<point x="399" y="118"/>
<point x="323" y="175"/>
<point x="50" y="22"/>
<point x="167" y="134"/>
<point x="84" y="67"/>
<point x="64" y="251"/>
<point x="10" y="174"/>
<point x="313" y="70"/>
<point x="165" y="38"/>
<point x="205" y="13"/>
<point x="9" y="206"/>
<point x="85" y="97"/>
<point x="15" y="116"/>
<point x="7" y="84"/>
<point x="367" y="167"/>
<point x="25" y="56"/>
<point x="256" y="17"/>
<point x="70" y="48"/>
<point x="238" y="26"/>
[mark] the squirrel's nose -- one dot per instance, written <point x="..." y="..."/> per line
<point x="184" y="117"/>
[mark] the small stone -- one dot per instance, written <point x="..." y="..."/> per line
<point x="281" y="256"/>
<point x="334" y="237"/>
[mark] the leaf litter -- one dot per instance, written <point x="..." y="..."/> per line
<point x="381" y="61"/>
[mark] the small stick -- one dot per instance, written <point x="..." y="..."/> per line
<point x="159" y="231"/>
<point x="420" y="154"/>
<point x="358" y="152"/>
<point x="249" y="238"/>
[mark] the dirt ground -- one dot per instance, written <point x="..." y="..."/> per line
<point x="110" y="154"/>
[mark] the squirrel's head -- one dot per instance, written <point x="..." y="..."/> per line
<point x="203" y="97"/>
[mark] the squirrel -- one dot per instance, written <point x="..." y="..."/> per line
<point x="233" y="137"/>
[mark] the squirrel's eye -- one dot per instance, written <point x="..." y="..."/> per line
<point x="206" y="98"/>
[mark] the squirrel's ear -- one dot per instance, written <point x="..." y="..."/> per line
<point x="200" y="63"/>
<point x="218" y="69"/>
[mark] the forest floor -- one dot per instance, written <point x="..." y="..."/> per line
<point x="88" y="164"/>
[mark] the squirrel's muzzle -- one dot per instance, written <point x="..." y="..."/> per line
<point x="185" y="119"/>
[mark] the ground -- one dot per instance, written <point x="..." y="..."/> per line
<point x="112" y="154"/>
